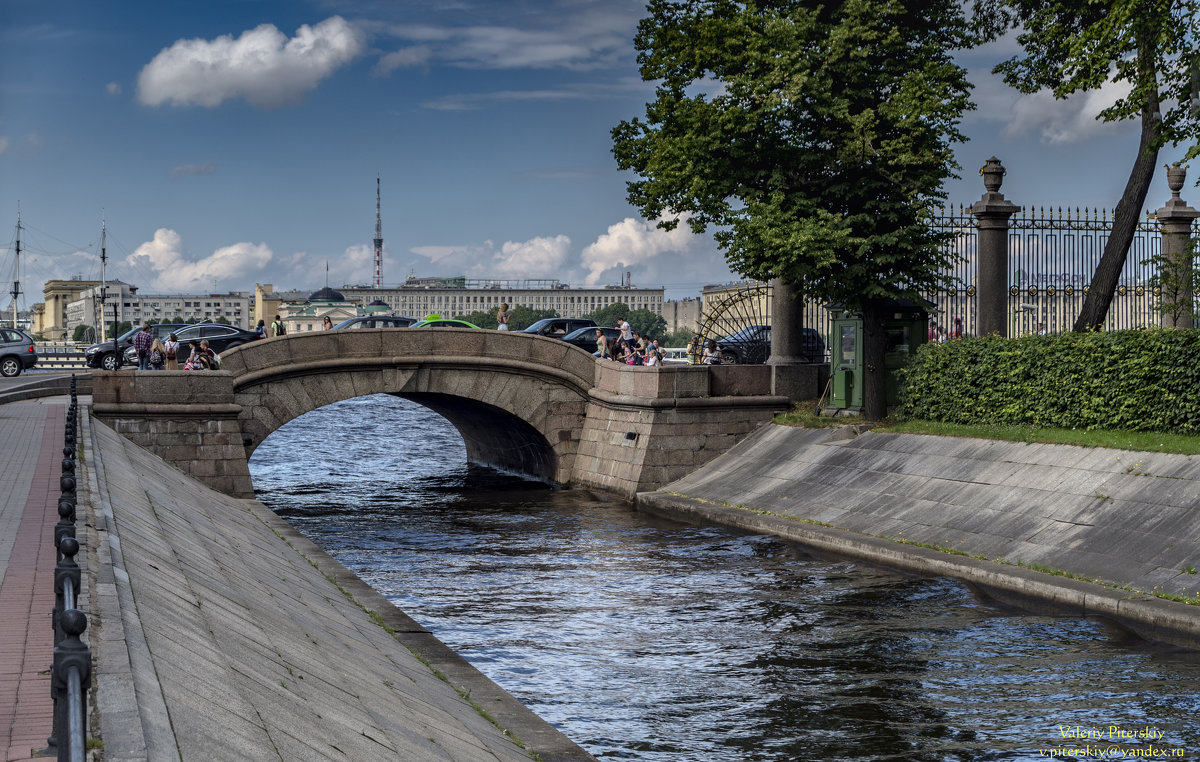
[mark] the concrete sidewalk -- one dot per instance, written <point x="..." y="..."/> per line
<point x="222" y="634"/>
<point x="31" y="442"/>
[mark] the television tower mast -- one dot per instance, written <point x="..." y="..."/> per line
<point x="378" y="239"/>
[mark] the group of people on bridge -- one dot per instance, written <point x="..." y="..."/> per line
<point x="629" y="347"/>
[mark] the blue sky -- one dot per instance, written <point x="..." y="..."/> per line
<point x="229" y="143"/>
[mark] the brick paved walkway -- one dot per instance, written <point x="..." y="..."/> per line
<point x="31" y="441"/>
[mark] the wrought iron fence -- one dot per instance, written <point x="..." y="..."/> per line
<point x="1053" y="254"/>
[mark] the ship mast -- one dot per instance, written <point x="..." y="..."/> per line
<point x="16" y="287"/>
<point x="103" y="279"/>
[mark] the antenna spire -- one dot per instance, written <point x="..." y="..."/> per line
<point x="378" y="283"/>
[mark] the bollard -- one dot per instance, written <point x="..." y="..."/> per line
<point x="66" y="524"/>
<point x="69" y="677"/>
<point x="66" y="483"/>
<point x="67" y="577"/>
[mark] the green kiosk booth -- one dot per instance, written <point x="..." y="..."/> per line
<point x="906" y="329"/>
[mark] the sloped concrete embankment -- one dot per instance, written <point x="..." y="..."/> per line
<point x="220" y="633"/>
<point x="1121" y="524"/>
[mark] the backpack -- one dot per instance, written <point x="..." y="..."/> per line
<point x="280" y="328"/>
<point x="156" y="357"/>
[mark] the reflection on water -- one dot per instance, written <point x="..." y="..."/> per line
<point x="645" y="639"/>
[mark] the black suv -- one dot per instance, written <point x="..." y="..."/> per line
<point x="17" y="352"/>
<point x="102" y="356"/>
<point x="557" y="328"/>
<point x="752" y="345"/>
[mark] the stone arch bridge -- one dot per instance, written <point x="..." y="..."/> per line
<point x="525" y="403"/>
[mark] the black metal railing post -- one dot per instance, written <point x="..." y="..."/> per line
<point x="67" y="578"/>
<point x="69" y="678"/>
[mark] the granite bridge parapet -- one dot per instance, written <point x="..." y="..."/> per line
<point x="528" y="404"/>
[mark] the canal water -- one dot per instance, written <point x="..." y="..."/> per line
<point x="645" y="639"/>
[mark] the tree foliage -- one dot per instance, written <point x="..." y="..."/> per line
<point x="519" y="318"/>
<point x="1148" y="50"/>
<point x="814" y="139"/>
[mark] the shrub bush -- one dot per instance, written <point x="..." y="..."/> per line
<point x="1139" y="380"/>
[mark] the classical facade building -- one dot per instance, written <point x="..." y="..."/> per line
<point x="162" y="308"/>
<point x="310" y="314"/>
<point x="50" y="322"/>
<point x="460" y="296"/>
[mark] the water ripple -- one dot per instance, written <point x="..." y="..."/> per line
<point x="646" y="639"/>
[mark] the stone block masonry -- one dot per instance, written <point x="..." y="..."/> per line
<point x="223" y="634"/>
<point x="1076" y="530"/>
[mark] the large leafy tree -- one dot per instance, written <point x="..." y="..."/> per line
<point x="1149" y="48"/>
<point x="814" y="139"/>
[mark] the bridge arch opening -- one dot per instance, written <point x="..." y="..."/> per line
<point x="491" y="436"/>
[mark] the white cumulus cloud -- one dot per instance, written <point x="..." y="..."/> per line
<point x="263" y="66"/>
<point x="163" y="262"/>
<point x="633" y="242"/>
<point x="540" y="257"/>
<point x="1064" y="121"/>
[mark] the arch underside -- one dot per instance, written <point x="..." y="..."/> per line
<point x="510" y="421"/>
<point x="493" y="437"/>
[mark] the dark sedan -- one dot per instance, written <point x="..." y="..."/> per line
<point x="220" y="337"/>
<point x="376" y="321"/>
<point x="585" y="338"/>
<point x="102" y="356"/>
<point x="559" y="327"/>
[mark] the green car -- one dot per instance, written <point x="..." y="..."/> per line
<point x="437" y="321"/>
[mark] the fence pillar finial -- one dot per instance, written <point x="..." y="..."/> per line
<point x="991" y="214"/>
<point x="1175" y="279"/>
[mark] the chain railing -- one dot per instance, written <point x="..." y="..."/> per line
<point x="70" y="673"/>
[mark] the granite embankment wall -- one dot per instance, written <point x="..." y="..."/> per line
<point x="1128" y="522"/>
<point x="220" y="633"/>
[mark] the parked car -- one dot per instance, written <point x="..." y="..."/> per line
<point x="17" y="352"/>
<point x="752" y="346"/>
<point x="559" y="327"/>
<point x="376" y="321"/>
<point x="434" y="321"/>
<point x="103" y="356"/>
<point x="219" y="336"/>
<point x="585" y="338"/>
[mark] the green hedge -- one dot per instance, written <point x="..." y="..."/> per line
<point x="1141" y="380"/>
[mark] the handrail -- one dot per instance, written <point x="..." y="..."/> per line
<point x="70" y="674"/>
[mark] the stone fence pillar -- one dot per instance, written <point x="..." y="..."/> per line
<point x="1175" y="221"/>
<point x="792" y="375"/>
<point x="992" y="213"/>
